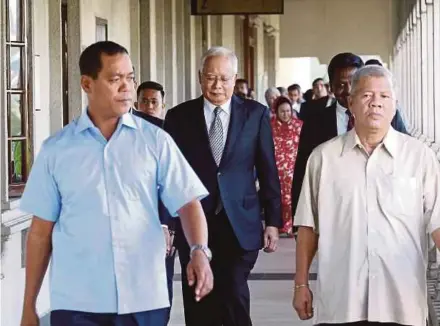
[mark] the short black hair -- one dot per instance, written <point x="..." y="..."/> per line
<point x="150" y="85"/>
<point x="317" y="80"/>
<point x="294" y="87"/>
<point x="90" y="63"/>
<point x="373" y="62"/>
<point x="241" y="80"/>
<point x="342" y="61"/>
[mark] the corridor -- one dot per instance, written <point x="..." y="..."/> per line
<point x="271" y="288"/>
<point x="40" y="93"/>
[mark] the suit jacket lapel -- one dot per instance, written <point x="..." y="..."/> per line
<point x="200" y="125"/>
<point x="332" y="121"/>
<point x="236" y="123"/>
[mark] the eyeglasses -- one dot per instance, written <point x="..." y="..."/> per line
<point x="221" y="79"/>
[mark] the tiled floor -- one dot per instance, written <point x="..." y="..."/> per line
<point x="271" y="290"/>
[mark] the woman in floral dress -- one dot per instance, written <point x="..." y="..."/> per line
<point x="286" y="128"/>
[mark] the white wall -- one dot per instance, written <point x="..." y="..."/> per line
<point x="323" y="28"/>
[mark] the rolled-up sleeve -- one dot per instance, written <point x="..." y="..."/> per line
<point x="41" y="196"/>
<point x="307" y="209"/>
<point x="431" y="186"/>
<point x="178" y="183"/>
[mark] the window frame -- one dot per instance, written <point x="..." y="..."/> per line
<point x="15" y="190"/>
<point x="101" y="22"/>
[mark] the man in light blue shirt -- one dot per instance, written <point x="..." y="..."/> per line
<point x="93" y="193"/>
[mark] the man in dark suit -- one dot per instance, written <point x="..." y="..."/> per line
<point x="324" y="122"/>
<point x="150" y="106"/>
<point x="225" y="138"/>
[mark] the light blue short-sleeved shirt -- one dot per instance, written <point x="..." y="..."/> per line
<point x="108" y="244"/>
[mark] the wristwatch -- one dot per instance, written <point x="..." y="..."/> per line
<point x="203" y="248"/>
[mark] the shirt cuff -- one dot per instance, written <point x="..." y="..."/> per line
<point x="165" y="226"/>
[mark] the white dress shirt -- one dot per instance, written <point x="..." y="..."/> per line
<point x="341" y="119"/>
<point x="225" y="116"/>
<point x="373" y="221"/>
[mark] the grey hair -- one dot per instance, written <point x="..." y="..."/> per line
<point x="372" y="71"/>
<point x="270" y="91"/>
<point x="220" y="51"/>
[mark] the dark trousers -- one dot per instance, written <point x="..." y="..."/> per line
<point x="78" y="318"/>
<point x="169" y="264"/>
<point x="229" y="302"/>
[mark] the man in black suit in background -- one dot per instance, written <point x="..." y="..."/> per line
<point x="225" y="139"/>
<point x="324" y="122"/>
<point x="150" y="105"/>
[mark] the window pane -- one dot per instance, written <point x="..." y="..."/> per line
<point x="15" y="115"/>
<point x="16" y="161"/>
<point x="15" y="74"/>
<point x="15" y="16"/>
<point x="101" y="33"/>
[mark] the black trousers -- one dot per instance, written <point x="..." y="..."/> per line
<point x="229" y="302"/>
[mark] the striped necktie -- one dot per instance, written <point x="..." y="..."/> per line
<point x="350" y="124"/>
<point x="216" y="136"/>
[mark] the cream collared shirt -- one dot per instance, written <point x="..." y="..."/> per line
<point x="373" y="214"/>
<point x="225" y="116"/>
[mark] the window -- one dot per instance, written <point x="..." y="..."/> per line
<point x="101" y="29"/>
<point x="19" y="146"/>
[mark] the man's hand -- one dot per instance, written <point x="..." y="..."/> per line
<point x="199" y="271"/>
<point x="29" y="318"/>
<point x="303" y="303"/>
<point x="270" y="239"/>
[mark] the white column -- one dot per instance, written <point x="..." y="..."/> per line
<point x="181" y="32"/>
<point x="170" y="52"/>
<point x="160" y="41"/>
<point x="436" y="69"/>
<point x="74" y="48"/>
<point x="147" y="36"/>
<point x="56" y="70"/>
<point x="135" y="43"/>
<point x="191" y="59"/>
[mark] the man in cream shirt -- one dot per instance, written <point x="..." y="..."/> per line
<point x="368" y="202"/>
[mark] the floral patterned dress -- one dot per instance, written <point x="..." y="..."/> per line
<point x="286" y="140"/>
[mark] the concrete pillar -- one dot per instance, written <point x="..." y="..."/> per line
<point x="436" y="61"/>
<point x="135" y="44"/>
<point x="181" y="32"/>
<point x="56" y="70"/>
<point x="148" y="69"/>
<point x="260" y="76"/>
<point x="427" y="127"/>
<point x="76" y="98"/>
<point x="228" y="32"/>
<point x="429" y="33"/>
<point x="170" y="51"/>
<point x="239" y="50"/>
<point x="160" y="41"/>
<point x="191" y="59"/>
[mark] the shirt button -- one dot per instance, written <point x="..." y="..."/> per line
<point x="219" y="173"/>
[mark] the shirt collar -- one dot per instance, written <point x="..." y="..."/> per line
<point x="226" y="107"/>
<point x="389" y="142"/>
<point x="84" y="122"/>
<point x="340" y="108"/>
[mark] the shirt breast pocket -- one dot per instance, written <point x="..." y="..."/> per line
<point x="135" y="179"/>
<point x="399" y="196"/>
